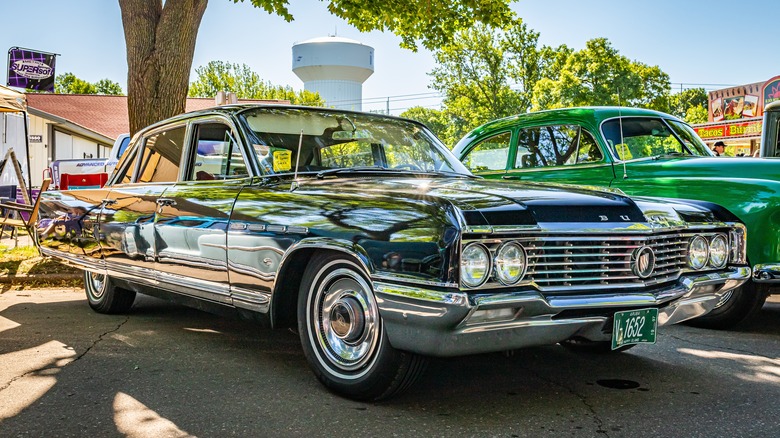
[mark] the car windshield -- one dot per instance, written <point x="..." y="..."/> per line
<point x="330" y="140"/>
<point x="642" y="137"/>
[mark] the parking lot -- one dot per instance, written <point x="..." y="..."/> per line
<point x="166" y="370"/>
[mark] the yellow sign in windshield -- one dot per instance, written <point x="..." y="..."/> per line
<point x="282" y="161"/>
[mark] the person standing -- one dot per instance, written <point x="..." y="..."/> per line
<point x="719" y="148"/>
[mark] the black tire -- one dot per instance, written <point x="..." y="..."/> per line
<point x="580" y="345"/>
<point x="342" y="333"/>
<point x="737" y="306"/>
<point x="104" y="297"/>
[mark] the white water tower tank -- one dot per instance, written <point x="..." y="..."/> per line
<point x="336" y="68"/>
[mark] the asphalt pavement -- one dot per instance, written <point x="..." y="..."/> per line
<point x="169" y="371"/>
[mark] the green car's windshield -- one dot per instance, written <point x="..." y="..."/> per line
<point x="329" y="140"/>
<point x="642" y="137"/>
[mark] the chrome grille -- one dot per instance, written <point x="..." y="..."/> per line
<point x="564" y="262"/>
<point x="576" y="262"/>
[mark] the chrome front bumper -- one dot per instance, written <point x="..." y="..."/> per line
<point x="767" y="273"/>
<point x="453" y="323"/>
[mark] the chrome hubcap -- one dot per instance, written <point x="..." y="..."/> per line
<point x="97" y="281"/>
<point x="345" y="320"/>
<point x="724" y="299"/>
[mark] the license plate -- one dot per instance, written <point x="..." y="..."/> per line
<point x="634" y="327"/>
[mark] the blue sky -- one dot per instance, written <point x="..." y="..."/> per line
<point x="715" y="43"/>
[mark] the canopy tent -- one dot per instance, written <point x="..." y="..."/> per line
<point x="12" y="101"/>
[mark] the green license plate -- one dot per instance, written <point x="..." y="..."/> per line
<point x="634" y="327"/>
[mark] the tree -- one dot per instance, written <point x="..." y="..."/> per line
<point x="160" y="39"/>
<point x="487" y="73"/>
<point x="599" y="75"/>
<point x="246" y="84"/>
<point x="68" y="83"/>
<point x="690" y="105"/>
<point x="434" y="119"/>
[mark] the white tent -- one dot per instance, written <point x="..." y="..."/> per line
<point x="12" y="101"/>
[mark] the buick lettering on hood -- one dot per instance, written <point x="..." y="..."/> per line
<point x="364" y="233"/>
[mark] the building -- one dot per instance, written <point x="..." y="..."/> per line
<point x="735" y="116"/>
<point x="335" y="68"/>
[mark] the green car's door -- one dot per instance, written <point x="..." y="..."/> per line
<point x="563" y="154"/>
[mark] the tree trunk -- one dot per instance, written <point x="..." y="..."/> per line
<point x="160" y="45"/>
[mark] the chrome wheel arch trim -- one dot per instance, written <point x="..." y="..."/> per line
<point x="354" y="251"/>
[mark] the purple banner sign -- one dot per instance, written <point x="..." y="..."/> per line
<point x="30" y="69"/>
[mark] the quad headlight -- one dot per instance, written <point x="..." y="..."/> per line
<point x="474" y="265"/>
<point x="698" y="252"/>
<point x="711" y="251"/>
<point x="719" y="251"/>
<point x="510" y="263"/>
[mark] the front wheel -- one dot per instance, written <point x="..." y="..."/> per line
<point x="104" y="297"/>
<point x="342" y="333"/>
<point x="736" y="306"/>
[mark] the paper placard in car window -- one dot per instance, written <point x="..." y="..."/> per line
<point x="282" y="161"/>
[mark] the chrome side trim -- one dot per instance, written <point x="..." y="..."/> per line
<point x="399" y="277"/>
<point x="766" y="273"/>
<point x="86" y="263"/>
<point x="253" y="300"/>
<point x="249" y="270"/>
<point x="194" y="287"/>
<point x="453" y="298"/>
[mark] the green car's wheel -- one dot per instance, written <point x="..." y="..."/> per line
<point x="342" y="333"/>
<point x="735" y="307"/>
<point x="104" y="296"/>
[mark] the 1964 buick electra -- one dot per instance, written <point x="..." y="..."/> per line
<point x="367" y="235"/>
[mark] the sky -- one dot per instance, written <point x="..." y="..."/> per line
<point x="713" y="44"/>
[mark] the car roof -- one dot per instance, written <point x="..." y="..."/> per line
<point x="590" y="113"/>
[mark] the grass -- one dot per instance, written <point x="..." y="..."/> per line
<point x="34" y="269"/>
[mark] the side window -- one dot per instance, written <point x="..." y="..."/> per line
<point x="217" y="155"/>
<point x="589" y="151"/>
<point x="125" y="171"/>
<point x="161" y="156"/>
<point x="555" y="145"/>
<point x="489" y="154"/>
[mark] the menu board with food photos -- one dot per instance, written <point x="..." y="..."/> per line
<point x="736" y="103"/>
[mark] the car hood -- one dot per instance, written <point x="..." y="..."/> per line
<point x="494" y="203"/>
<point x="709" y="167"/>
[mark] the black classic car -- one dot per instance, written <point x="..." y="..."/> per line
<point x="366" y="234"/>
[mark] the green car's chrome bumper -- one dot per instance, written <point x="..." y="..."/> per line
<point x="450" y="323"/>
<point x="767" y="273"/>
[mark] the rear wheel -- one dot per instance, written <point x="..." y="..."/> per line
<point x="735" y="307"/>
<point x="104" y="296"/>
<point x="342" y="333"/>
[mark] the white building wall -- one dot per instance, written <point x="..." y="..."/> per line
<point x="346" y="95"/>
<point x="12" y="136"/>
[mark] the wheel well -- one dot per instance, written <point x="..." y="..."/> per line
<point x="284" y="304"/>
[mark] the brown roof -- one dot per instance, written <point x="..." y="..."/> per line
<point x="105" y="115"/>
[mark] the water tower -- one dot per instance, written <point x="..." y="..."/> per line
<point x="336" y="68"/>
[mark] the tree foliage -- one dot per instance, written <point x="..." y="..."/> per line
<point x="68" y="83"/>
<point x="160" y="39"/>
<point x="600" y="75"/>
<point x="690" y="105"/>
<point x="246" y="84"/>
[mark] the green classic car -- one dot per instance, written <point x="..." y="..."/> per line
<point x="642" y="153"/>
